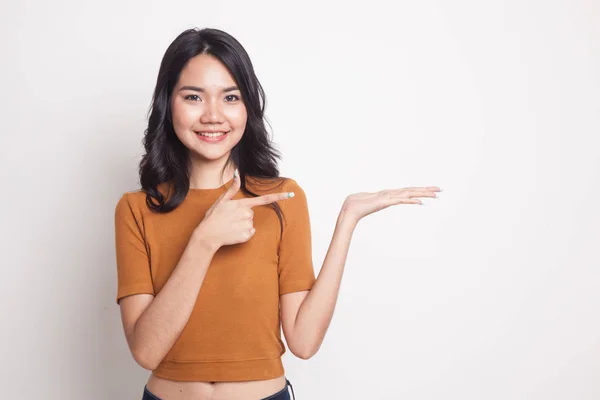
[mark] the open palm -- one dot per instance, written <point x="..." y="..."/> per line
<point x="359" y="205"/>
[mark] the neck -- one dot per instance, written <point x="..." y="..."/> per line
<point x="205" y="174"/>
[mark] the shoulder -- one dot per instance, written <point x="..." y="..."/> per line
<point x="296" y="207"/>
<point x="131" y="198"/>
<point x="131" y="203"/>
<point x="292" y="185"/>
<point x="270" y="185"/>
<point x="135" y="200"/>
<point x="275" y="185"/>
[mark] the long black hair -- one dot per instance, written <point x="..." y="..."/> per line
<point x="167" y="159"/>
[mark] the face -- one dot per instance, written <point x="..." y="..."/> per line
<point x="208" y="113"/>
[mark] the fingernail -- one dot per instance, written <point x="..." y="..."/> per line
<point x="236" y="173"/>
<point x="291" y="194"/>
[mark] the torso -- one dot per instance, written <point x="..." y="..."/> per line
<point x="264" y="309"/>
<point x="248" y="390"/>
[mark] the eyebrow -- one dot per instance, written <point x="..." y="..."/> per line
<point x="199" y="89"/>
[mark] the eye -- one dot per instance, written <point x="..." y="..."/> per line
<point x="193" y="97"/>
<point x="232" y="97"/>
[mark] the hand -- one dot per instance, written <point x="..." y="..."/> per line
<point x="359" y="205"/>
<point x="230" y="221"/>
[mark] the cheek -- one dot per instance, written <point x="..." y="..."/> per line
<point x="237" y="117"/>
<point x="182" y="116"/>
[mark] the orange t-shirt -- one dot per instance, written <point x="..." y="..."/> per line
<point x="233" y="333"/>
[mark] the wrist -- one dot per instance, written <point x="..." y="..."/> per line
<point x="346" y="220"/>
<point x="202" y="240"/>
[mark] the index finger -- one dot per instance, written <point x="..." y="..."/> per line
<point x="233" y="189"/>
<point x="266" y="199"/>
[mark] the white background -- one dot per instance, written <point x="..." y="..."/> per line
<point x="489" y="292"/>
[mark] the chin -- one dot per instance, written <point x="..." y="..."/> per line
<point x="209" y="155"/>
<point x="213" y="154"/>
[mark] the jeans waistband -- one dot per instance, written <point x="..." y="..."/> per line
<point x="148" y="395"/>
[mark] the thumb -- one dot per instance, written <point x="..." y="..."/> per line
<point x="234" y="188"/>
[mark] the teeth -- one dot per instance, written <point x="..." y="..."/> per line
<point x="211" y="134"/>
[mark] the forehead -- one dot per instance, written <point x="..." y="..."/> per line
<point x="206" y="71"/>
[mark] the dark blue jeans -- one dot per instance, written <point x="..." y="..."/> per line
<point x="283" y="394"/>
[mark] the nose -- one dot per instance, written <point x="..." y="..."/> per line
<point x="211" y="114"/>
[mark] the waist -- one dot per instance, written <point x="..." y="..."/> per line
<point x="214" y="390"/>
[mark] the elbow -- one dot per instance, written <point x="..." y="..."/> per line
<point x="304" y="353"/>
<point x="304" y="356"/>
<point x="145" y="359"/>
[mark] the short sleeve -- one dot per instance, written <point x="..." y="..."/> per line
<point x="133" y="265"/>
<point x="296" y="272"/>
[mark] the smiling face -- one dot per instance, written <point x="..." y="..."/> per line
<point x="208" y="113"/>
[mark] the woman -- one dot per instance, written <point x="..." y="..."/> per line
<point x="214" y="252"/>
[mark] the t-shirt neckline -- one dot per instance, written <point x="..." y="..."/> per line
<point x="219" y="189"/>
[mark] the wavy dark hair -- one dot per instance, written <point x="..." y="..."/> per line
<point x="167" y="159"/>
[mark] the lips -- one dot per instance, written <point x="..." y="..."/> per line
<point x="212" y="133"/>
<point x="212" y="139"/>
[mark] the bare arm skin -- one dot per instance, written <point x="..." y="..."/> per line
<point x="153" y="324"/>
<point x="313" y="310"/>
<point x="306" y="315"/>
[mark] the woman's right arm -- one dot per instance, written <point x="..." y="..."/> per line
<point x="153" y="324"/>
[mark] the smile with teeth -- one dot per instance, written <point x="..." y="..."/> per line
<point x="211" y="134"/>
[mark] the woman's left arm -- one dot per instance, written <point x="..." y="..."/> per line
<point x="306" y="315"/>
